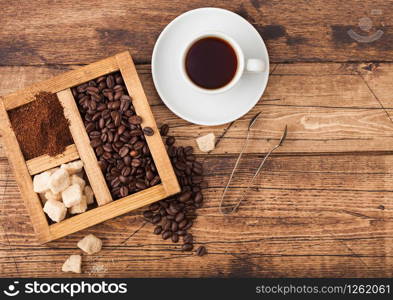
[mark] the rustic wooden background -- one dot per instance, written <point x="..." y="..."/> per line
<point x="324" y="203"/>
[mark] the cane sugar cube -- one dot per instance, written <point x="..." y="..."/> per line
<point x="53" y="170"/>
<point x="59" y="181"/>
<point x="72" y="195"/>
<point x="55" y="210"/>
<point x="90" y="244"/>
<point x="49" y="195"/>
<point x="72" y="264"/>
<point x="75" y="179"/>
<point x="207" y="142"/>
<point x="89" y="194"/>
<point x="79" y="208"/>
<point x="73" y="167"/>
<point x="41" y="182"/>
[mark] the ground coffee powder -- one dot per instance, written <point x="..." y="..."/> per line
<point x="41" y="127"/>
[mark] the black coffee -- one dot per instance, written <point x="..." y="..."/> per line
<point x="211" y="63"/>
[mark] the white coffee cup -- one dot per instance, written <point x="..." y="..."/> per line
<point x="250" y="65"/>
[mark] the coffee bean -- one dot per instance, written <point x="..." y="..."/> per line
<point x="168" y="225"/>
<point x="179" y="217"/>
<point x="135" y="120"/>
<point x="175" y="238"/>
<point x="166" y="234"/>
<point x="123" y="191"/>
<point x="154" y="206"/>
<point x="110" y="82"/>
<point x="198" y="197"/>
<point x="184" y="197"/>
<point x="187" y="247"/>
<point x="170" y="140"/>
<point x="136" y="132"/>
<point x="188" y="238"/>
<point x="158" y="229"/>
<point x="156" y="219"/>
<point x="201" y="251"/>
<point x="177" y="213"/>
<point x="174" y="226"/>
<point x="189" y="225"/>
<point x="148" y="214"/>
<point x="155" y="180"/>
<point x="148" y="131"/>
<point x="183" y="224"/>
<point x="188" y="150"/>
<point x="140" y="185"/>
<point x="123" y="151"/>
<point x="136" y="162"/>
<point x="164" y="129"/>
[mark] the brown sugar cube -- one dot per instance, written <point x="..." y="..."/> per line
<point x="72" y="264"/>
<point x="90" y="244"/>
<point x="55" y="210"/>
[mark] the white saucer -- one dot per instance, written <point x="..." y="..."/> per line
<point x="179" y="96"/>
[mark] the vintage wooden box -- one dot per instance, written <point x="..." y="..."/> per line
<point x="81" y="148"/>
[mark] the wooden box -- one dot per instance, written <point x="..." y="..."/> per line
<point x="81" y="149"/>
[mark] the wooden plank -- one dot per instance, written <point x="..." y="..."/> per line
<point x="314" y="30"/>
<point x="46" y="162"/>
<point x="61" y="82"/>
<point x="307" y="208"/>
<point x="334" y="113"/>
<point x="15" y="155"/>
<point x="283" y="229"/>
<point x="106" y="212"/>
<point x="86" y="152"/>
<point x="142" y="108"/>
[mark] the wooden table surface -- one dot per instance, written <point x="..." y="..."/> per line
<point x="324" y="203"/>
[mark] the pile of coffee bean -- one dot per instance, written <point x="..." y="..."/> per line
<point x="173" y="217"/>
<point x="116" y="135"/>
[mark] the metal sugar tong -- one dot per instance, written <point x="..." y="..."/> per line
<point x="250" y="183"/>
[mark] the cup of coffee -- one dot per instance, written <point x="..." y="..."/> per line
<point x="213" y="62"/>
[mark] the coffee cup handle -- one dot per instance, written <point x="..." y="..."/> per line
<point x="255" y="65"/>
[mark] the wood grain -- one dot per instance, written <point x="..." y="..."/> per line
<point x="335" y="112"/>
<point x="322" y="206"/>
<point x="46" y="162"/>
<point x="299" y="223"/>
<point x="313" y="30"/>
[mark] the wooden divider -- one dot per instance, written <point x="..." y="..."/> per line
<point x="86" y="152"/>
<point x="46" y="162"/>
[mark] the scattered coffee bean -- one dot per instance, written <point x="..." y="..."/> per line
<point x="187" y="247"/>
<point x="178" y="212"/>
<point x="188" y="239"/>
<point x="158" y="230"/>
<point x="175" y="238"/>
<point x="170" y="140"/>
<point x="201" y="251"/>
<point x="116" y="135"/>
<point x="164" y="130"/>
<point x="166" y="234"/>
